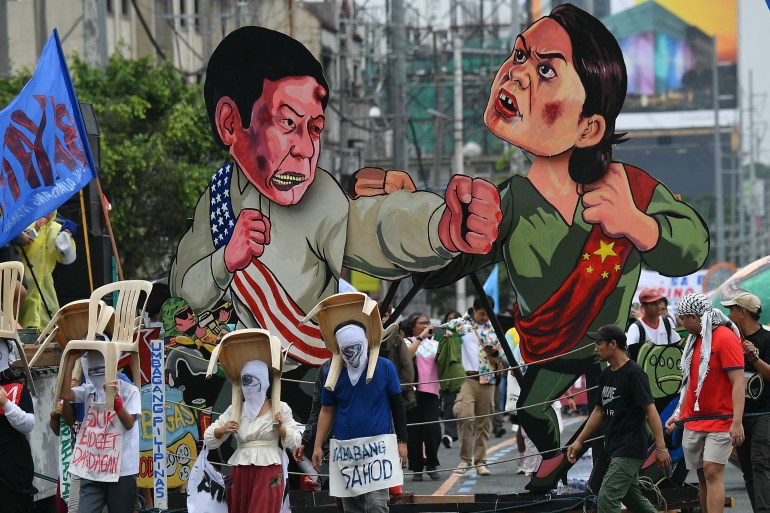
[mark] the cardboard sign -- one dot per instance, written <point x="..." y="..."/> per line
<point x="363" y="465"/>
<point x="65" y="457"/>
<point x="13" y="392"/>
<point x="157" y="364"/>
<point x="97" y="451"/>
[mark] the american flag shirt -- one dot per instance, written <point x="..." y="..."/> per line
<point x="384" y="236"/>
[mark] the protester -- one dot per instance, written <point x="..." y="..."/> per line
<point x="664" y="313"/>
<point x="651" y="327"/>
<point x="481" y="352"/>
<point x="754" y="453"/>
<point x="94" y="495"/>
<point x="305" y="449"/>
<point x="711" y="386"/>
<point x="52" y="244"/>
<point x="17" y="420"/>
<point x="622" y="406"/>
<point x="448" y="399"/>
<point x="362" y="395"/>
<point x="424" y="439"/>
<point x="262" y="424"/>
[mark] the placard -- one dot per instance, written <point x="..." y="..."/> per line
<point x="65" y="457"/>
<point x="98" y="447"/>
<point x="157" y="365"/>
<point x="363" y="465"/>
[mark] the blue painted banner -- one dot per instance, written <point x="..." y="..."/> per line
<point x="45" y="153"/>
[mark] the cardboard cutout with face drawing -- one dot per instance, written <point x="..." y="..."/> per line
<point x="275" y="230"/>
<point x="252" y="361"/>
<point x="577" y="228"/>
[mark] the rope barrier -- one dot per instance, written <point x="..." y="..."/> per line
<point x="47" y="478"/>
<point x="714" y="416"/>
<point x="497" y="462"/>
<point x="566" y="396"/>
<point x="443" y="380"/>
<point x="501" y="412"/>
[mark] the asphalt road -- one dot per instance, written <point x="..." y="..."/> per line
<point x="505" y="480"/>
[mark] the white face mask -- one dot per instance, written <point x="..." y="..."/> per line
<point x="255" y="380"/>
<point x="96" y="374"/>
<point x="4" y="356"/>
<point x="353" y="344"/>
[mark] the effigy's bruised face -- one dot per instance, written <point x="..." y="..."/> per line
<point x="279" y="150"/>
<point x="537" y="97"/>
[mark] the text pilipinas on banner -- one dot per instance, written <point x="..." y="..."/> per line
<point x="44" y="156"/>
<point x="158" y="397"/>
<point x="65" y="457"/>
<point x="96" y="455"/>
<point x="363" y="465"/>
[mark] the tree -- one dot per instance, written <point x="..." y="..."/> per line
<point x="157" y="152"/>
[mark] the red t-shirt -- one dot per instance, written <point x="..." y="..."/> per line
<point x="716" y="393"/>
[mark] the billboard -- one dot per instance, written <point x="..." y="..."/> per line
<point x="668" y="50"/>
<point x="669" y="54"/>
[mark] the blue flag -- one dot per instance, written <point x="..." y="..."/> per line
<point x="492" y="288"/>
<point x="45" y="153"/>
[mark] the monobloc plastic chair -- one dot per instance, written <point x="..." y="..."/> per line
<point x="128" y="316"/>
<point x="71" y="323"/>
<point x="10" y="274"/>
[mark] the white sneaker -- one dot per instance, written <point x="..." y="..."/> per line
<point x="482" y="470"/>
<point x="462" y="467"/>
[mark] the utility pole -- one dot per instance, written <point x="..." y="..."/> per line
<point x="398" y="83"/>
<point x="344" y="91"/>
<point x="718" y="188"/>
<point x="41" y="27"/>
<point x="752" y="176"/>
<point x="206" y="23"/>
<point x="515" y="26"/>
<point x="459" y="165"/>
<point x="5" y="54"/>
<point x="438" y="123"/>
<point x="95" y="32"/>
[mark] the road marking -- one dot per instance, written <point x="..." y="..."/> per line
<point x="451" y="480"/>
<point x="464" y="490"/>
<point x="503" y="447"/>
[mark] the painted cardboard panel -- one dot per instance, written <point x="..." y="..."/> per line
<point x="273" y="230"/>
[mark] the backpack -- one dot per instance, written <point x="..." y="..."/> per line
<point x="641" y="329"/>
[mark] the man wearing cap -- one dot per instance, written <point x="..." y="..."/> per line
<point x="362" y="394"/>
<point x="624" y="402"/>
<point x="754" y="453"/>
<point x="711" y="387"/>
<point x="651" y="327"/>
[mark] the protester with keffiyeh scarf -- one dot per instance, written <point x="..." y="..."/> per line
<point x="712" y="385"/>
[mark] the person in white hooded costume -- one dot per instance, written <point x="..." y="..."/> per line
<point x="262" y="424"/>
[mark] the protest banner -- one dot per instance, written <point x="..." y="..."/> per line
<point x="363" y="465"/>
<point x="96" y="455"/>
<point x="45" y="154"/>
<point x="65" y="457"/>
<point x="157" y="364"/>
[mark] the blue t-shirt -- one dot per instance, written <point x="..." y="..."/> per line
<point x="364" y="409"/>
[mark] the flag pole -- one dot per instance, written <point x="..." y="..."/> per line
<point x="85" y="241"/>
<point x="106" y="213"/>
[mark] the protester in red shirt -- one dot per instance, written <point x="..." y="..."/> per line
<point x="710" y="387"/>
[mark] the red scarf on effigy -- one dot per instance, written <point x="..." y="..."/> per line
<point x="562" y="321"/>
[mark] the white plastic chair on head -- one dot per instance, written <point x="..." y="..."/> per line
<point x="10" y="274"/>
<point x="69" y="323"/>
<point x="128" y="316"/>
